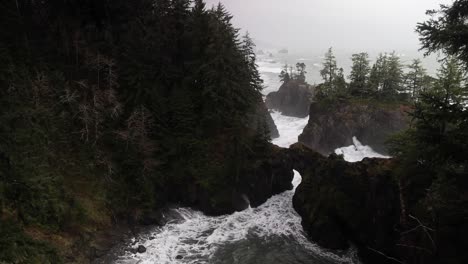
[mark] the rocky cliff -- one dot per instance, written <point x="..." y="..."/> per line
<point x="333" y="125"/>
<point x="345" y="203"/>
<point x="388" y="217"/>
<point x="268" y="173"/>
<point x="292" y="99"/>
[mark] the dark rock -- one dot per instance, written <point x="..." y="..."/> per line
<point x="151" y="218"/>
<point x="334" y="125"/>
<point x="268" y="173"/>
<point x="179" y="257"/>
<point x="292" y="99"/>
<point x="141" y="249"/>
<point x="342" y="203"/>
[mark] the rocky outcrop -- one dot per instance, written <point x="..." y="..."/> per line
<point x="390" y="216"/>
<point x="267" y="173"/>
<point x="333" y="125"/>
<point x="345" y="203"/>
<point x="292" y="99"/>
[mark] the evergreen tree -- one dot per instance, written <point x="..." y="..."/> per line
<point x="445" y="30"/>
<point x="378" y="73"/>
<point x="432" y="155"/>
<point x="248" y="47"/>
<point x="341" y="86"/>
<point x="393" y="82"/>
<point x="386" y="76"/>
<point x="284" y="75"/>
<point x="415" y="79"/>
<point x="100" y="103"/>
<point x="359" y="77"/>
<point x="329" y="73"/>
<point x="301" y="72"/>
<point x="451" y="82"/>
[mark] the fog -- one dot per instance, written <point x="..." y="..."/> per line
<point x="347" y="25"/>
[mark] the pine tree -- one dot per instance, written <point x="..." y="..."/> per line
<point x="393" y="82"/>
<point x="301" y="72"/>
<point x="378" y="73"/>
<point x="386" y="76"/>
<point x="341" y="87"/>
<point x="284" y="75"/>
<point x="415" y="79"/>
<point x="359" y="77"/>
<point x="329" y="73"/>
<point x="445" y="30"/>
<point x="248" y="47"/>
<point x="451" y="82"/>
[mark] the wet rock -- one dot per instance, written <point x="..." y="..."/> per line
<point x="268" y="173"/>
<point x="292" y="99"/>
<point x="141" y="249"/>
<point x="333" y="125"/>
<point x="345" y="203"/>
<point x="179" y="257"/>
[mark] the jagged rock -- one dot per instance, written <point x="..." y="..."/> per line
<point x="292" y="99"/>
<point x="333" y="125"/>
<point x="342" y="203"/>
<point x="268" y="173"/>
<point x="141" y="249"/>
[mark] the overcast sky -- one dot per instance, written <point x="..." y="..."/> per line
<point x="347" y="25"/>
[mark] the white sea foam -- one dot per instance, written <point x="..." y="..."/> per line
<point x="270" y="69"/>
<point x="358" y="152"/>
<point x="196" y="237"/>
<point x="289" y="129"/>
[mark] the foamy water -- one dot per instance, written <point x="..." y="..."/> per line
<point x="358" y="152"/>
<point x="289" y="129"/>
<point x="197" y="238"/>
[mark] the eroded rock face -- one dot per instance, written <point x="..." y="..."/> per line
<point x="268" y="173"/>
<point x="292" y="99"/>
<point x="342" y="203"/>
<point x="334" y="125"/>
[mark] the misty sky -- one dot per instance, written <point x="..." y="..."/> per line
<point x="347" y="25"/>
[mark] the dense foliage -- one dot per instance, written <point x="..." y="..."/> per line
<point x="101" y="102"/>
<point x="432" y="156"/>
<point x="387" y="80"/>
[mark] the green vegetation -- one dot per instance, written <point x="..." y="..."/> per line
<point x="359" y="77"/>
<point x="386" y="80"/>
<point x="100" y="104"/>
<point x="289" y="74"/>
<point x="432" y="156"/>
<point x="334" y="82"/>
